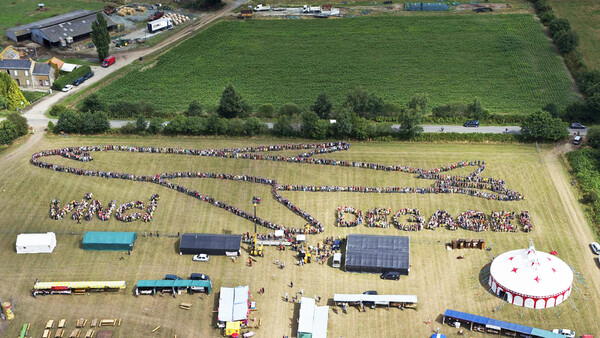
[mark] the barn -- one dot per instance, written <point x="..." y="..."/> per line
<point x="377" y="254"/>
<point x="211" y="244"/>
<point x="109" y="241"/>
<point x="74" y="25"/>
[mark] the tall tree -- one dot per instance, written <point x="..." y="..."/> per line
<point x="100" y="36"/>
<point x="232" y="104"/>
<point x="541" y="126"/>
<point x="410" y="122"/>
<point x="322" y="106"/>
<point x="11" y="91"/>
<point x="194" y="109"/>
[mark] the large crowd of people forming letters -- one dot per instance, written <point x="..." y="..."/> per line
<point x="472" y="220"/>
<point x="471" y="184"/>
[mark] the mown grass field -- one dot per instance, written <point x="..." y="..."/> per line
<point x="584" y="16"/>
<point x="505" y="60"/>
<point x="21" y="12"/>
<point x="438" y="279"/>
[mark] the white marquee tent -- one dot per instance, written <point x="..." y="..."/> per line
<point x="233" y="304"/>
<point x="531" y="278"/>
<point x="36" y="243"/>
<point x="313" y="319"/>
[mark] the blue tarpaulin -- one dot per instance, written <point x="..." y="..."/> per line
<point x="467" y="317"/>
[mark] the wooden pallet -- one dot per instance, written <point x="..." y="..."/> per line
<point x="185" y="306"/>
<point x="108" y="322"/>
<point x="89" y="334"/>
<point x="50" y="324"/>
<point x="59" y="333"/>
<point x="47" y="333"/>
<point x="62" y="323"/>
<point x="75" y="333"/>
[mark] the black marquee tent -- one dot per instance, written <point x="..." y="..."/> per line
<point x="210" y="244"/>
<point x="377" y="254"/>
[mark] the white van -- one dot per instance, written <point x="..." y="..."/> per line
<point x="337" y="260"/>
<point x="577" y="140"/>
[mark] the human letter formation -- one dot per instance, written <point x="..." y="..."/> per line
<point x="471" y="184"/>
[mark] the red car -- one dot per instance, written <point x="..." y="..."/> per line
<point x="156" y="15"/>
<point x="108" y="61"/>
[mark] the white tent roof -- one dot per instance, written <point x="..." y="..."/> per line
<point x="301" y="238"/>
<point x="307" y="313"/>
<point x="233" y="304"/>
<point x="279" y="233"/>
<point x="68" y="67"/>
<point x="378" y="299"/>
<point x="531" y="273"/>
<point x="320" y="322"/>
<point x="48" y="238"/>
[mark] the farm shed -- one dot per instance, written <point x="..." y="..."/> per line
<point x="76" y="25"/>
<point x="387" y="300"/>
<point x="377" y="254"/>
<point x="489" y="325"/>
<point x="234" y="304"/>
<point x="151" y="287"/>
<point x="109" y="241"/>
<point x="44" y="288"/>
<point x="312" y="321"/>
<point x="36" y="243"/>
<point x="211" y="244"/>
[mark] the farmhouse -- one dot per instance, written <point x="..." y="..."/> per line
<point x="36" y="243"/>
<point x="59" y="29"/>
<point x="376" y="254"/>
<point x="211" y="244"/>
<point x="28" y="73"/>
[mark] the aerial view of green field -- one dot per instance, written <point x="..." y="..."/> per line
<point x="505" y="60"/>
<point x="584" y="16"/>
<point x="439" y="280"/>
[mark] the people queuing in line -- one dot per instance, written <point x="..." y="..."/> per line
<point x="341" y="222"/>
<point x="378" y="217"/>
<point x="146" y="216"/>
<point x="415" y="220"/>
<point x="441" y="218"/>
<point x="472" y="184"/>
<point x="501" y="221"/>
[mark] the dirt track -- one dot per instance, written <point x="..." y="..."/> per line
<point x="582" y="234"/>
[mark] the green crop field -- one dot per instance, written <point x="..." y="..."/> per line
<point x="438" y="279"/>
<point x="505" y="60"/>
<point x="584" y="16"/>
<point x="20" y="12"/>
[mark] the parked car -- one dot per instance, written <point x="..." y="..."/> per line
<point x="565" y="332"/>
<point x="577" y="140"/>
<point x="471" y="123"/>
<point x="66" y="88"/>
<point x="79" y="81"/>
<point x="199" y="276"/>
<point x="595" y="247"/>
<point x="200" y="258"/>
<point x="172" y="277"/>
<point x="88" y="75"/>
<point x="108" y="61"/>
<point x="391" y="275"/>
<point x="577" y="125"/>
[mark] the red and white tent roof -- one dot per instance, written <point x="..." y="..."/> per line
<point x="531" y="273"/>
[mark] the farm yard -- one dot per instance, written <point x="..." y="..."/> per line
<point x="21" y="12"/>
<point x="505" y="60"/>
<point x="438" y="279"/>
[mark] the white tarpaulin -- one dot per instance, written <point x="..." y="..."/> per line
<point x="68" y="67"/>
<point x="307" y="314"/>
<point x="233" y="304"/>
<point x="36" y="243"/>
<point x="320" y="322"/>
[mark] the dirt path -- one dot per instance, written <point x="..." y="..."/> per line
<point x="582" y="234"/>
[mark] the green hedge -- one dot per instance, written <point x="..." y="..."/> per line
<point x="585" y="166"/>
<point x="467" y="137"/>
<point x="66" y="79"/>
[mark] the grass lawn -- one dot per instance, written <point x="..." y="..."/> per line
<point x="438" y="279"/>
<point x="584" y="16"/>
<point x="505" y="60"/>
<point x="20" y="12"/>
